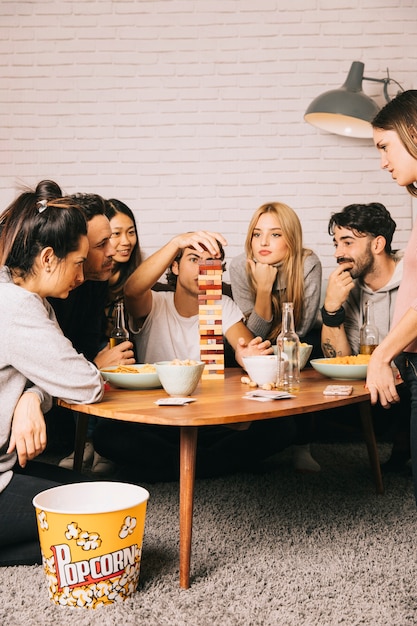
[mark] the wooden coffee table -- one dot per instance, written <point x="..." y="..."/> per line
<point x="218" y="402"/>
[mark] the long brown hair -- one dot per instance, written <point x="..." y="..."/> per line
<point x="290" y="281"/>
<point x="400" y="115"/>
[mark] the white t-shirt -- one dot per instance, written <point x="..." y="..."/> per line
<point x="166" y="335"/>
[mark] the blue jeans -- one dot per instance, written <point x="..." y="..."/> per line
<point x="19" y="543"/>
<point x="407" y="366"/>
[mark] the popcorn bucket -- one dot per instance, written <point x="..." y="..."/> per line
<point x="91" y="541"/>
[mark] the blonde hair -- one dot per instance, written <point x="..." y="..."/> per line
<point x="291" y="271"/>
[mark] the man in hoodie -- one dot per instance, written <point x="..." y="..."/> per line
<point x="368" y="270"/>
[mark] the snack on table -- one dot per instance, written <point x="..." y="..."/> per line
<point x="185" y="362"/>
<point x="131" y="369"/>
<point x="359" y="359"/>
<point x="245" y="380"/>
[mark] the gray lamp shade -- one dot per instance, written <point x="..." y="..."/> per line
<point x="344" y="111"/>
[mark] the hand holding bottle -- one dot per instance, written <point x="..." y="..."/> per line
<point x="119" y="351"/>
<point x="122" y="354"/>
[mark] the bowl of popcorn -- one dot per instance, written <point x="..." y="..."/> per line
<point x="179" y="378"/>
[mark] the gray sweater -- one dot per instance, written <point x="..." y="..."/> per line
<point x="35" y="355"/>
<point x="244" y="297"/>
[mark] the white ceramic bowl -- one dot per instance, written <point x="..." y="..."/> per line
<point x="305" y="351"/>
<point x="304" y="354"/>
<point x="262" y="369"/>
<point x="179" y="380"/>
<point x="339" y="371"/>
<point x="141" y="380"/>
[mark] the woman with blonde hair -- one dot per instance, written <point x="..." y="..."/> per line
<point x="276" y="268"/>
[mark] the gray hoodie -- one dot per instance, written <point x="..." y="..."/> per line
<point x="383" y="305"/>
<point x="35" y="356"/>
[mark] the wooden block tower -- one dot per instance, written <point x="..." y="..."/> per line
<point x="210" y="318"/>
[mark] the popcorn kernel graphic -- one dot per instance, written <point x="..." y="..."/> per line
<point x="43" y="522"/>
<point x="129" y="525"/>
<point x="83" y="538"/>
<point x="73" y="531"/>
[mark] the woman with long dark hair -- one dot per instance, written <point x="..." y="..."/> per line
<point x="43" y="246"/>
<point x="128" y="253"/>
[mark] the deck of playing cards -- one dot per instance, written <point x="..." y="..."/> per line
<point x="263" y="395"/>
<point x="338" y="390"/>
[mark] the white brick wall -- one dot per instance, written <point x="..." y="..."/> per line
<point x="192" y="111"/>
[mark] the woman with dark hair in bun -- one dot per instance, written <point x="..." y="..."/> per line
<point x="43" y="246"/>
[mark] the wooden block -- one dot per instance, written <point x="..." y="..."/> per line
<point x="209" y="299"/>
<point x="212" y="280"/>
<point x="211" y="308"/>
<point x="213" y="340"/>
<point x="210" y="376"/>
<point x="211" y="329"/>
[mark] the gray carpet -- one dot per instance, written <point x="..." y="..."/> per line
<point x="268" y="549"/>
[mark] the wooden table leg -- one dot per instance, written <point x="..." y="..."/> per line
<point x="81" y="426"/>
<point x="369" y="436"/>
<point x="188" y="451"/>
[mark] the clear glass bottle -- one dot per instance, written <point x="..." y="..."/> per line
<point x="288" y="350"/>
<point x="119" y="332"/>
<point x="369" y="335"/>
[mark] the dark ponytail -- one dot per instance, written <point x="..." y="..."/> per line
<point x="33" y="222"/>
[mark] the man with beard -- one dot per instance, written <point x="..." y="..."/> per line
<point x="368" y="270"/>
<point x="82" y="319"/>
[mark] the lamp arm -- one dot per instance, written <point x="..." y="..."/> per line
<point x="386" y="82"/>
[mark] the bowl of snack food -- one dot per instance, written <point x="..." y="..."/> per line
<point x="343" y="367"/>
<point x="304" y="354"/>
<point x="262" y="369"/>
<point x="179" y="378"/>
<point x="305" y="351"/>
<point x="137" y="376"/>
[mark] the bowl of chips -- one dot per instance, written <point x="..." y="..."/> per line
<point x="343" y="367"/>
<point x="137" y="376"/>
